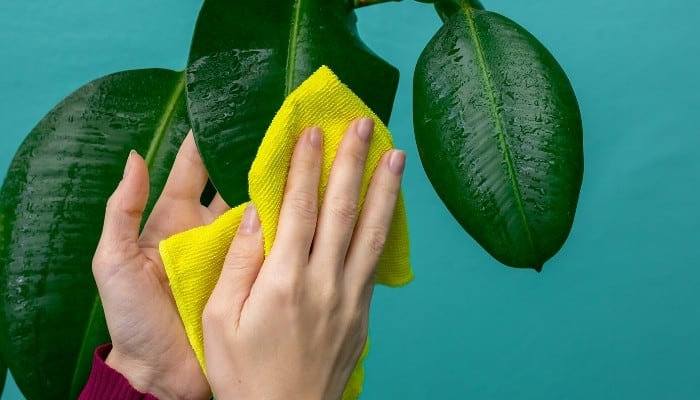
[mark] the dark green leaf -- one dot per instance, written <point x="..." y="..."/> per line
<point x="499" y="133"/>
<point x="3" y="374"/>
<point x="96" y="334"/>
<point x="52" y="205"/>
<point x="246" y="56"/>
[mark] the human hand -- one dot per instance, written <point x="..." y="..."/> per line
<point x="150" y="347"/>
<point x="294" y="324"/>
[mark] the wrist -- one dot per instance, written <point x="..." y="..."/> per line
<point x="106" y="382"/>
<point x="164" y="384"/>
<point x="139" y="375"/>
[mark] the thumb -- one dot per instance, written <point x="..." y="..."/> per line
<point x="241" y="267"/>
<point x="120" y="231"/>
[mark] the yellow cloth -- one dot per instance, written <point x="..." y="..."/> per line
<point x="193" y="259"/>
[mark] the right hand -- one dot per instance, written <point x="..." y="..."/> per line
<point x="293" y="325"/>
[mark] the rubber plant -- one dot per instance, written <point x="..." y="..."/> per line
<point x="496" y="123"/>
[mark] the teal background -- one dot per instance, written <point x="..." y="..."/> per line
<point x="615" y="315"/>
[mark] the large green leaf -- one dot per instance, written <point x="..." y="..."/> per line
<point x="52" y="206"/>
<point x="3" y="374"/>
<point x="246" y="56"/>
<point x="499" y="133"/>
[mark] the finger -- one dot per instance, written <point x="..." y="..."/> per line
<point x="297" y="221"/>
<point x="374" y="223"/>
<point x="120" y="231"/>
<point x="241" y="267"/>
<point x="188" y="177"/>
<point x="339" y="210"/>
<point x="218" y="205"/>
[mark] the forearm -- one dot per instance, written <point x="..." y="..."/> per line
<point x="106" y="383"/>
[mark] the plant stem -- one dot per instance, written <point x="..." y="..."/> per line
<point x="445" y="8"/>
<point x="364" y="3"/>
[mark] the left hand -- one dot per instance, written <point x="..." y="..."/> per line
<point x="150" y="347"/>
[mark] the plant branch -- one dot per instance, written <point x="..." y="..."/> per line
<point x="364" y="3"/>
<point x="445" y="8"/>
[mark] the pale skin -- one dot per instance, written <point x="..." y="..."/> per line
<point x="288" y="326"/>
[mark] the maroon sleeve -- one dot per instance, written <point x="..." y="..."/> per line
<point x="106" y="383"/>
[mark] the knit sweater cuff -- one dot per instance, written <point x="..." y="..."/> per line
<point x="106" y="383"/>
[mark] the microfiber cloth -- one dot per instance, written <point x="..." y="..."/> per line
<point x="193" y="259"/>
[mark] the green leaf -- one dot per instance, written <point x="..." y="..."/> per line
<point x="499" y="133"/>
<point x="52" y="206"/>
<point x="246" y="56"/>
<point x="3" y="374"/>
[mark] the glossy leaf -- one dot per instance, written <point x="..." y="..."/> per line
<point x="499" y="133"/>
<point x="52" y="206"/>
<point x="246" y="56"/>
<point x="3" y="374"/>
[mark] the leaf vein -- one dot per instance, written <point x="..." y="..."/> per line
<point x="496" y="114"/>
<point x="292" y="49"/>
<point x="164" y="122"/>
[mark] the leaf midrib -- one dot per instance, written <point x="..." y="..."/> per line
<point x="81" y="353"/>
<point x="158" y="135"/>
<point x="292" y="49"/>
<point x="497" y="117"/>
<point x="164" y="122"/>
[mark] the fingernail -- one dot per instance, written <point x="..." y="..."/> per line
<point x="365" y="126"/>
<point x="127" y="167"/>
<point x="315" y="137"/>
<point x="251" y="221"/>
<point x="397" y="161"/>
